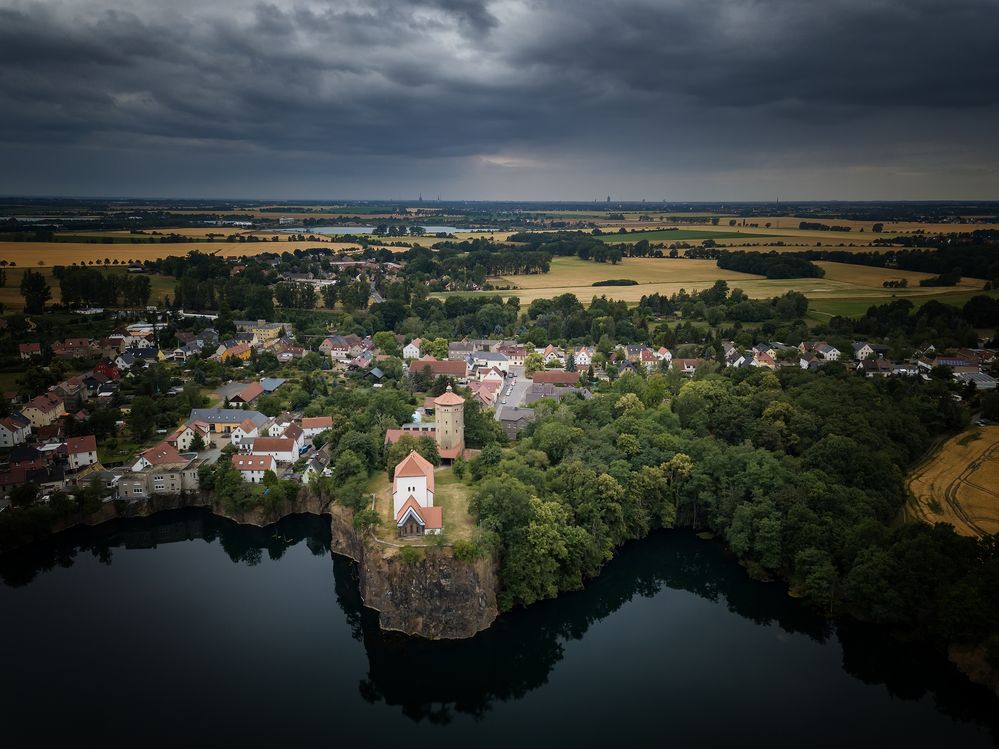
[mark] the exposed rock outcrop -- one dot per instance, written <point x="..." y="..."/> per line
<point x="437" y="596"/>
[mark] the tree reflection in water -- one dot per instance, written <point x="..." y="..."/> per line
<point x="433" y="681"/>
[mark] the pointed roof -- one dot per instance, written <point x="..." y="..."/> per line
<point x="448" y="398"/>
<point x="410" y="506"/>
<point x="247" y="425"/>
<point x="162" y="453"/>
<point x="415" y="464"/>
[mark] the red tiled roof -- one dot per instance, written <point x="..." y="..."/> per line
<point x="446" y="367"/>
<point x="448" y="398"/>
<point x="164" y="452"/>
<point x="556" y="377"/>
<point x="253" y="463"/>
<point x="87" y="444"/>
<point x="317" y="422"/>
<point x="250" y="392"/>
<point x="415" y="464"/>
<point x="273" y="444"/>
<point x="247" y="425"/>
<point x="394" y="435"/>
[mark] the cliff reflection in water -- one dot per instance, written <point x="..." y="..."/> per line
<point x="244" y="544"/>
<point x="436" y="682"/>
<point x="433" y="680"/>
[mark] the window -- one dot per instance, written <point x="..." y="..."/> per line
<point x="137" y="490"/>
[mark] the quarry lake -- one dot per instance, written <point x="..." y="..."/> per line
<point x="187" y="630"/>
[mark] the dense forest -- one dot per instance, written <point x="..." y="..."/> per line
<point x="800" y="474"/>
<point x="769" y="264"/>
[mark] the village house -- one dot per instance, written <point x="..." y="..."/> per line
<point x="413" y="497"/>
<point x="862" y="350"/>
<point x="447" y="368"/>
<point x="81" y="452"/>
<point x="43" y="410"/>
<point x="313" y="425"/>
<point x="514" y="420"/>
<point x="490" y="374"/>
<point x="551" y="355"/>
<point x="248" y="394"/>
<point x="556" y="377"/>
<point x="164" y="478"/>
<point x="336" y="347"/>
<point x="160" y="454"/>
<point x="14" y="430"/>
<point x="412" y="349"/>
<point x="183" y="437"/>
<point x="253" y="467"/>
<point x="582" y="356"/>
<point x="685" y="366"/>
<point x="491" y="359"/>
<point x="28" y="350"/>
<point x="282" y="449"/>
<point x="241" y="351"/>
<point x="485" y="391"/>
<point x="222" y="421"/>
<point x="820" y="349"/>
<point x="245" y="431"/>
<point x="514" y="353"/>
<point x="71" y="348"/>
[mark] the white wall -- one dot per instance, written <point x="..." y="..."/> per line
<point x="404" y="486"/>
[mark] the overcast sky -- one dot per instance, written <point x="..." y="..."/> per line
<point x="514" y="99"/>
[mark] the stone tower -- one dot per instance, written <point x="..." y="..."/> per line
<point x="450" y="417"/>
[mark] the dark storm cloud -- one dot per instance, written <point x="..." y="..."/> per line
<point x="522" y="86"/>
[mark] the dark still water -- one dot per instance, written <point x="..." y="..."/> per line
<point x="186" y="630"/>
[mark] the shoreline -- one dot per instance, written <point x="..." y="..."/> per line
<point x="387" y="585"/>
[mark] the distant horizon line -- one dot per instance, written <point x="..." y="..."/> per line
<point x="563" y="201"/>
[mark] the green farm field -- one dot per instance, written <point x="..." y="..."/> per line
<point x="845" y="289"/>
<point x="10" y="295"/>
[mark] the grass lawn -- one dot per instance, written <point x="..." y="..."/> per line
<point x="8" y="380"/>
<point x="451" y="494"/>
<point x="120" y="452"/>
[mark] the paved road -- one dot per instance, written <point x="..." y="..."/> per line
<point x="518" y="391"/>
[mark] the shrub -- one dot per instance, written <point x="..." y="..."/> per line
<point x="467" y="551"/>
<point x="410" y="555"/>
<point x="365" y="520"/>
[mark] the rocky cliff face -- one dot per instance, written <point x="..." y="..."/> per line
<point x="437" y="597"/>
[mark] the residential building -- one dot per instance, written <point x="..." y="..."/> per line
<point x="313" y="425"/>
<point x="28" y="350"/>
<point x="448" y="367"/>
<point x="556" y="377"/>
<point x="14" y="430"/>
<point x="282" y="449"/>
<point x="412" y="349"/>
<point x="160" y="454"/>
<point x="253" y="467"/>
<point x="81" y="452"/>
<point x="43" y="410"/>
<point x="862" y="350"/>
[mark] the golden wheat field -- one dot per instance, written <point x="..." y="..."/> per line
<point x="668" y="275"/>
<point x="47" y="254"/>
<point x="959" y="484"/>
